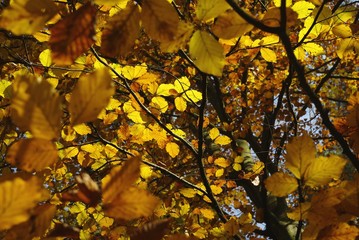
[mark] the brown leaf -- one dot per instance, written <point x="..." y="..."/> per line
<point x="121" y="31"/>
<point x="154" y="230"/>
<point x="73" y="35"/>
<point x="65" y="230"/>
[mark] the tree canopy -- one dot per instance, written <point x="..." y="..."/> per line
<point x="160" y="119"/>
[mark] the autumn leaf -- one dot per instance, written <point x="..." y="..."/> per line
<point x="36" y="106"/>
<point x="341" y="231"/>
<point x="268" y="54"/>
<point x="154" y="230"/>
<point x="27" y="16"/>
<point x="272" y="17"/>
<point x="160" y="20"/>
<point x="230" y="25"/>
<point x="121" y="31"/>
<point x="32" y="154"/>
<point x="90" y="95"/>
<point x="280" y="184"/>
<point x="209" y="9"/>
<point x="207" y="53"/>
<point x="19" y="195"/>
<point x="172" y="149"/>
<point x="73" y="35"/>
<point x="303" y="8"/>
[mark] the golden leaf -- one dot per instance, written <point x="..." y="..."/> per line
<point x="36" y="106"/>
<point x="130" y="204"/>
<point x="32" y="154"/>
<point x="222" y="140"/>
<point x="188" y="192"/>
<point x="222" y="162"/>
<point x="90" y="95"/>
<point x="216" y="190"/>
<point x="19" y="194"/>
<point x="340" y="231"/>
<point x="303" y="8"/>
<point x="207" y="53"/>
<point x="121" y="31"/>
<point x="209" y="9"/>
<point x="281" y="184"/>
<point x="181" y="104"/>
<point x="300" y="212"/>
<point x="172" y="149"/>
<point x="154" y="230"/>
<point x="272" y="17"/>
<point x="300" y="153"/>
<point x="230" y="25"/>
<point x="73" y="35"/>
<point x="160" y="20"/>
<point x="27" y="16"/>
<point x="213" y="133"/>
<point x="268" y="54"/>
<point x="323" y="169"/>
<point x="184" y="32"/>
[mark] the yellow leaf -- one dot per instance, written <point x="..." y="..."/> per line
<point x="300" y="153"/>
<point x="207" y="213"/>
<point x="172" y="149"/>
<point x="300" y="53"/>
<point x="281" y="184"/>
<point x="73" y="35"/>
<point x="216" y="190"/>
<point x="222" y="162"/>
<point x="277" y="3"/>
<point x="222" y="140"/>
<point x="219" y="172"/>
<point x="5" y="90"/>
<point x="192" y="95"/>
<point x="124" y="26"/>
<point x="132" y="72"/>
<point x="300" y="212"/>
<point x="45" y="58"/>
<point x="182" y="84"/>
<point x="119" y="179"/>
<point x="160" y="103"/>
<point x="342" y="30"/>
<point x="19" y="194"/>
<point x="346" y="46"/>
<point x="135" y="116"/>
<point x="165" y="89"/>
<point x="145" y="171"/>
<point x="209" y="9"/>
<point x="130" y="204"/>
<point x="82" y="129"/>
<point x="340" y="231"/>
<point x="27" y="16"/>
<point x="32" y="154"/>
<point x="160" y="20"/>
<point x="188" y="192"/>
<point x="268" y="54"/>
<point x="323" y="169"/>
<point x="303" y="8"/>
<point x="200" y="233"/>
<point x="181" y="104"/>
<point x="213" y="133"/>
<point x="207" y="53"/>
<point x="121" y="3"/>
<point x="230" y="25"/>
<point x="183" y="33"/>
<point x="313" y="48"/>
<point x="36" y="106"/>
<point x="90" y="95"/>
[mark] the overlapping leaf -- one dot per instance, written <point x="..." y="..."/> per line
<point x="36" y="106"/>
<point x="209" y="9"/>
<point x="281" y="184"/>
<point x="32" y="154"/>
<point x="121" y="31"/>
<point x="73" y="35"/>
<point x="90" y="95"/>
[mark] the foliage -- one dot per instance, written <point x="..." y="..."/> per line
<point x="152" y="119"/>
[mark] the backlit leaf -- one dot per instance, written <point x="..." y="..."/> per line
<point x="188" y="192"/>
<point x="300" y="154"/>
<point x="45" y="58"/>
<point x="207" y="213"/>
<point x="272" y="17"/>
<point x="313" y="48"/>
<point x="222" y="140"/>
<point x="132" y="72"/>
<point x="160" y="103"/>
<point x="216" y="190"/>
<point x="277" y="3"/>
<point x="27" y="16"/>
<point x="281" y="184"/>
<point x="268" y="54"/>
<point x="172" y="149"/>
<point x="124" y="26"/>
<point x="181" y="104"/>
<point x="323" y="169"/>
<point x="213" y="133"/>
<point x="90" y="95"/>
<point x="342" y="30"/>
<point x="19" y="194"/>
<point x="36" y="106"/>
<point x="130" y="204"/>
<point x="230" y="25"/>
<point x="208" y="9"/>
<point x="82" y="129"/>
<point x="32" y="154"/>
<point x="303" y="8"/>
<point x="222" y="162"/>
<point x="73" y="35"/>
<point x="192" y="95"/>
<point x="206" y="53"/>
<point x="159" y="19"/>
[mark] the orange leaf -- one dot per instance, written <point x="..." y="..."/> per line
<point x="154" y="230"/>
<point x="73" y="35"/>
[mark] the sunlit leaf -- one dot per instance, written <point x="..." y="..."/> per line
<point x="346" y="46"/>
<point x="181" y="104"/>
<point x="342" y="30"/>
<point x="73" y="35"/>
<point x="303" y="8"/>
<point x="160" y="103"/>
<point x="323" y="169"/>
<point x="207" y="53"/>
<point x="159" y="19"/>
<point x="213" y="133"/>
<point x="192" y="95"/>
<point x="268" y="54"/>
<point x="82" y="129"/>
<point x="207" y="213"/>
<point x="277" y="3"/>
<point x="222" y="140"/>
<point x="208" y="9"/>
<point x="19" y="194"/>
<point x="124" y="26"/>
<point x="172" y="149"/>
<point x="216" y="190"/>
<point x="45" y="58"/>
<point x="27" y="16"/>
<point x="222" y="162"/>
<point x="36" y="106"/>
<point x="132" y="72"/>
<point x="281" y="184"/>
<point x="181" y="38"/>
<point x="188" y="192"/>
<point x="90" y="95"/>
<point x="230" y="25"/>
<point x="300" y="154"/>
<point x="313" y="48"/>
<point x="32" y="154"/>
